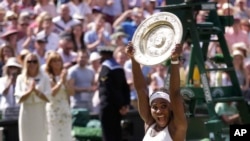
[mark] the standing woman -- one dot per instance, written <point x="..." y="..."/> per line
<point x="163" y="110"/>
<point x="32" y="89"/>
<point x="58" y="110"/>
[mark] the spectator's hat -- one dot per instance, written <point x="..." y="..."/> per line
<point x="96" y="9"/>
<point x="9" y="32"/>
<point x="108" y="49"/>
<point x="118" y="29"/>
<point x="78" y="17"/>
<point x="237" y="52"/>
<point x="65" y="36"/>
<point x="23" y="20"/>
<point x="10" y="15"/>
<point x="23" y="54"/>
<point x="41" y="37"/>
<point x="115" y="35"/>
<point x="25" y="14"/>
<point x="94" y="56"/>
<point x="12" y="61"/>
<point x="240" y="45"/>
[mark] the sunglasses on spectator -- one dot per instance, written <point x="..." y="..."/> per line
<point x="32" y="61"/>
<point x="11" y="19"/>
<point x="25" y="24"/>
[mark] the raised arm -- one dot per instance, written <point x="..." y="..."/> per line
<point x="141" y="87"/>
<point x="122" y="18"/>
<point x="175" y="96"/>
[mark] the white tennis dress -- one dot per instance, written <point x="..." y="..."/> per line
<point x="161" y="136"/>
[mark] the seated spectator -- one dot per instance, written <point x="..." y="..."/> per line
<point x="25" y="6"/>
<point x="7" y="4"/>
<point x="40" y="50"/>
<point x="10" y="37"/>
<point x="11" y="19"/>
<point x="235" y="34"/>
<point x="157" y="78"/>
<point x="25" y="35"/>
<point x="77" y="35"/>
<point x="241" y="9"/>
<point x="82" y="20"/>
<point x="97" y="36"/>
<point x="113" y="8"/>
<point x="80" y="7"/>
<point x="47" y="31"/>
<point x="150" y="8"/>
<point x="36" y="24"/>
<point x="64" y="21"/>
<point x="119" y="39"/>
<point x="129" y="27"/>
<point x="6" y="51"/>
<point x="45" y="5"/>
<point x="66" y="51"/>
<point x="91" y="25"/>
<point x="22" y="56"/>
<point x="228" y="112"/>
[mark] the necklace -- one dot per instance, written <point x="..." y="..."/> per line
<point x="158" y="128"/>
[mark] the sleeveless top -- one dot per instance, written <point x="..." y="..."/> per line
<point x="163" y="135"/>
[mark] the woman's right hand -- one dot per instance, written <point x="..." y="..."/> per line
<point x="130" y="50"/>
<point x="32" y="85"/>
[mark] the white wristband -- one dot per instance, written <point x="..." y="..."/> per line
<point x="175" y="62"/>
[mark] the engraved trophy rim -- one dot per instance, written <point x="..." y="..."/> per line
<point x="155" y="38"/>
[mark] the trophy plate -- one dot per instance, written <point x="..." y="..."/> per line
<point x="155" y="38"/>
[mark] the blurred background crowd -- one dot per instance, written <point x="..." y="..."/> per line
<point x="65" y="27"/>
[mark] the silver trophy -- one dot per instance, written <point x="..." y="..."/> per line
<point x="155" y="37"/>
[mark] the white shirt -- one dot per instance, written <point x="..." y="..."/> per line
<point x="161" y="136"/>
<point x="81" y="9"/>
<point x="53" y="40"/>
<point x="67" y="58"/>
<point x="23" y="84"/>
<point x="61" y="26"/>
<point x="7" y="100"/>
